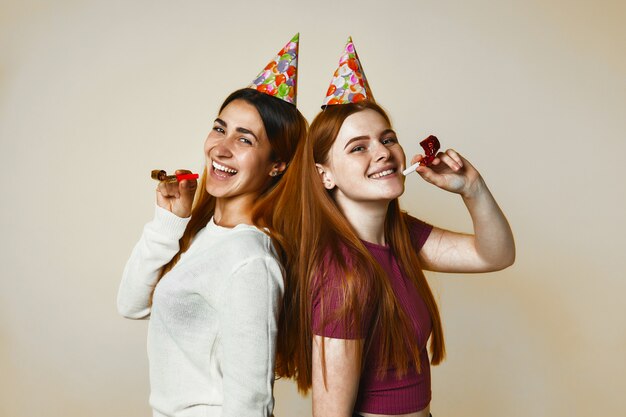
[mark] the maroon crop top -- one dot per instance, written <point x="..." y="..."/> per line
<point x="388" y="395"/>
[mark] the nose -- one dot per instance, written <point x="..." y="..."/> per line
<point x="381" y="152"/>
<point x="219" y="146"/>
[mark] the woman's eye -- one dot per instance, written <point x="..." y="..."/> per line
<point x="358" y="148"/>
<point x="218" y="129"/>
<point x="245" y="140"/>
<point x="389" y="141"/>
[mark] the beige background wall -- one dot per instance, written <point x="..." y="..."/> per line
<point x="95" y="94"/>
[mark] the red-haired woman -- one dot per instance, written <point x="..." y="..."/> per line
<point x="361" y="309"/>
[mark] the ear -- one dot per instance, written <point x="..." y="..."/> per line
<point x="326" y="177"/>
<point x="278" y="168"/>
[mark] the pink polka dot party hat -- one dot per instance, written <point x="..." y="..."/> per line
<point x="349" y="84"/>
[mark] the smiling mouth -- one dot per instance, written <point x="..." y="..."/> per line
<point x="223" y="170"/>
<point x="382" y="174"/>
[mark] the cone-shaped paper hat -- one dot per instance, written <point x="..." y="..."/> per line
<point x="279" y="78"/>
<point x="349" y="84"/>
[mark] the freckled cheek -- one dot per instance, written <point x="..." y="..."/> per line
<point x="348" y="178"/>
<point x="250" y="162"/>
<point x="399" y="154"/>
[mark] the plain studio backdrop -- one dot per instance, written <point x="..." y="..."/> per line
<point x="95" y="94"/>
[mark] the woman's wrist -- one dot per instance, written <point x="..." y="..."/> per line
<point x="475" y="189"/>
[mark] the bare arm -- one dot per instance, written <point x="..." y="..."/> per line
<point x="492" y="246"/>
<point x="337" y="396"/>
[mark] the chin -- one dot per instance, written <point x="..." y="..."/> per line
<point x="392" y="197"/>
<point x="216" y="191"/>
<point x="394" y="193"/>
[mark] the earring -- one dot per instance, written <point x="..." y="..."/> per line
<point x="273" y="173"/>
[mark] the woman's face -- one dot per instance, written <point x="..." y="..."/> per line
<point x="365" y="162"/>
<point x="238" y="153"/>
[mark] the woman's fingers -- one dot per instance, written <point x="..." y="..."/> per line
<point x="168" y="189"/>
<point x="446" y="171"/>
<point x="450" y="158"/>
<point x="176" y="196"/>
<point x="416" y="158"/>
<point x="186" y="190"/>
<point x="451" y="172"/>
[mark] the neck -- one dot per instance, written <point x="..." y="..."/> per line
<point x="367" y="218"/>
<point x="229" y="212"/>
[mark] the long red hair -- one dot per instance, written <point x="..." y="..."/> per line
<point x="310" y="226"/>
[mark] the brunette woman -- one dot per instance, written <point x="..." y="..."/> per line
<point x="208" y="279"/>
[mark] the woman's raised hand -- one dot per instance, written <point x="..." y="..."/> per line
<point x="177" y="197"/>
<point x="451" y="172"/>
<point x="491" y="247"/>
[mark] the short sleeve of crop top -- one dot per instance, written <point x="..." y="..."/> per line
<point x="328" y="295"/>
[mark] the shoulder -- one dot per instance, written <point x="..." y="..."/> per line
<point x="244" y="241"/>
<point x="418" y="230"/>
<point x="342" y="299"/>
<point x="343" y="273"/>
<point x="253" y="268"/>
<point x="253" y="252"/>
<point x="241" y="250"/>
<point x="334" y="265"/>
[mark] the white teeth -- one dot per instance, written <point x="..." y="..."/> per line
<point x="223" y="168"/>
<point x="382" y="174"/>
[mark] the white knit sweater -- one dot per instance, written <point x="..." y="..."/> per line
<point x="213" y="320"/>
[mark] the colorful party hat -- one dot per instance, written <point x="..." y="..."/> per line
<point x="349" y="84"/>
<point x="279" y="78"/>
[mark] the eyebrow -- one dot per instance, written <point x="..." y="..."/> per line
<point x="239" y="129"/>
<point x="383" y="133"/>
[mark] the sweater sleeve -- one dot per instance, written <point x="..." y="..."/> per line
<point x="156" y="247"/>
<point x="250" y="309"/>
